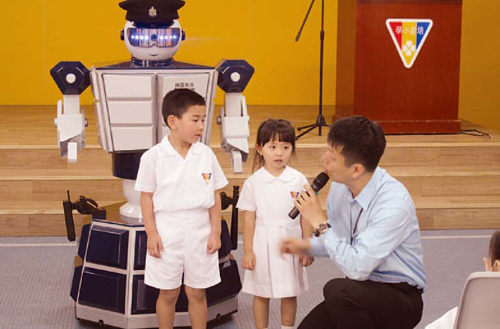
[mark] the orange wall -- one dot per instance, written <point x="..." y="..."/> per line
<point x="41" y="33"/>
<point x="480" y="63"/>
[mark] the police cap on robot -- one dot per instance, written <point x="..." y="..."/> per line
<point x="152" y="12"/>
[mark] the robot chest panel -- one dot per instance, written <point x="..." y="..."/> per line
<point x="129" y="103"/>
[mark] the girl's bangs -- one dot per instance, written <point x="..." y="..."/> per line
<point x="283" y="136"/>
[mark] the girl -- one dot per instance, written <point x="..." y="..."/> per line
<point x="267" y="198"/>
<point x="491" y="264"/>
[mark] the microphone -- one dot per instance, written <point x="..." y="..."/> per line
<point x="318" y="183"/>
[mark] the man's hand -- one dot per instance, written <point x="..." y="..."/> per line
<point x="306" y="260"/>
<point x="213" y="243"/>
<point x="295" y="246"/>
<point x="249" y="261"/>
<point x="310" y="208"/>
<point x="155" y="245"/>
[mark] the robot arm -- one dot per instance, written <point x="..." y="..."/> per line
<point x="72" y="78"/>
<point x="234" y="76"/>
<point x="234" y="129"/>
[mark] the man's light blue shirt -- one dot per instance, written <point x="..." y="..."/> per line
<point x="386" y="245"/>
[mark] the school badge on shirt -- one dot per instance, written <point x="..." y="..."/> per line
<point x="294" y="195"/>
<point x="206" y="177"/>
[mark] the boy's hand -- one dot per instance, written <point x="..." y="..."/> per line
<point x="213" y="243"/>
<point x="306" y="260"/>
<point x="249" y="261"/>
<point x="155" y="245"/>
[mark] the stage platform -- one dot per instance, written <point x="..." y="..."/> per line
<point x="454" y="179"/>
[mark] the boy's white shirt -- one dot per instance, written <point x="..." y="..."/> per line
<point x="180" y="183"/>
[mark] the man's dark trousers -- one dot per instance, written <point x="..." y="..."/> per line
<point x="351" y="304"/>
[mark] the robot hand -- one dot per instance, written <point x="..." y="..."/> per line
<point x="72" y="78"/>
<point x="234" y="75"/>
<point x="70" y="129"/>
<point x="235" y="132"/>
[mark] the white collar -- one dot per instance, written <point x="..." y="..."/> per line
<point x="286" y="176"/>
<point x="170" y="150"/>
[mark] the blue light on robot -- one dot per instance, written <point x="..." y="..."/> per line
<point x="162" y="38"/>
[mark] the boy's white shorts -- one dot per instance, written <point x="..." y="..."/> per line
<point x="185" y="237"/>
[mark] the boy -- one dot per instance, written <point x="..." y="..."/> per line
<point x="180" y="181"/>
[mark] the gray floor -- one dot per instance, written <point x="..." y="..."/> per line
<point x="35" y="275"/>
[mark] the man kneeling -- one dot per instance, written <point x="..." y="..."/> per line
<point x="371" y="233"/>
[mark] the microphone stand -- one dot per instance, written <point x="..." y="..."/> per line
<point x="320" y="120"/>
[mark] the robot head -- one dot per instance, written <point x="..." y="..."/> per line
<point x="157" y="44"/>
<point x="152" y="33"/>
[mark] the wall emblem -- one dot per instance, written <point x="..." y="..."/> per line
<point x="409" y="36"/>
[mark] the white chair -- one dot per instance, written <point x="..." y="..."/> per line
<point x="480" y="304"/>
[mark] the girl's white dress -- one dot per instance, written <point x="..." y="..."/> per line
<point x="275" y="275"/>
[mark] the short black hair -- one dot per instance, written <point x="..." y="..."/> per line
<point x="362" y="141"/>
<point x="272" y="129"/>
<point x="176" y="102"/>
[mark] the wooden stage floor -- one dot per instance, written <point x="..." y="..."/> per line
<point x="34" y="125"/>
<point x="454" y="179"/>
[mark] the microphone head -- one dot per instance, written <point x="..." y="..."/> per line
<point x="320" y="181"/>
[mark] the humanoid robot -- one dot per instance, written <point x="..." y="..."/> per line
<point x="108" y="285"/>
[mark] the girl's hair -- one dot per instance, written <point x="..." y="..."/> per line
<point x="270" y="130"/>
<point x="494" y="256"/>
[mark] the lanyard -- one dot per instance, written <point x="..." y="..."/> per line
<point x="355" y="225"/>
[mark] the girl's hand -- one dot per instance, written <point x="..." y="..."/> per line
<point x="306" y="260"/>
<point x="249" y="261"/>
<point x="155" y="245"/>
<point x="487" y="264"/>
<point x="213" y="243"/>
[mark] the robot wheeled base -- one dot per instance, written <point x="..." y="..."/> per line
<point x="108" y="282"/>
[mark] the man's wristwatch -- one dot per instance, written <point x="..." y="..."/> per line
<point x="321" y="229"/>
